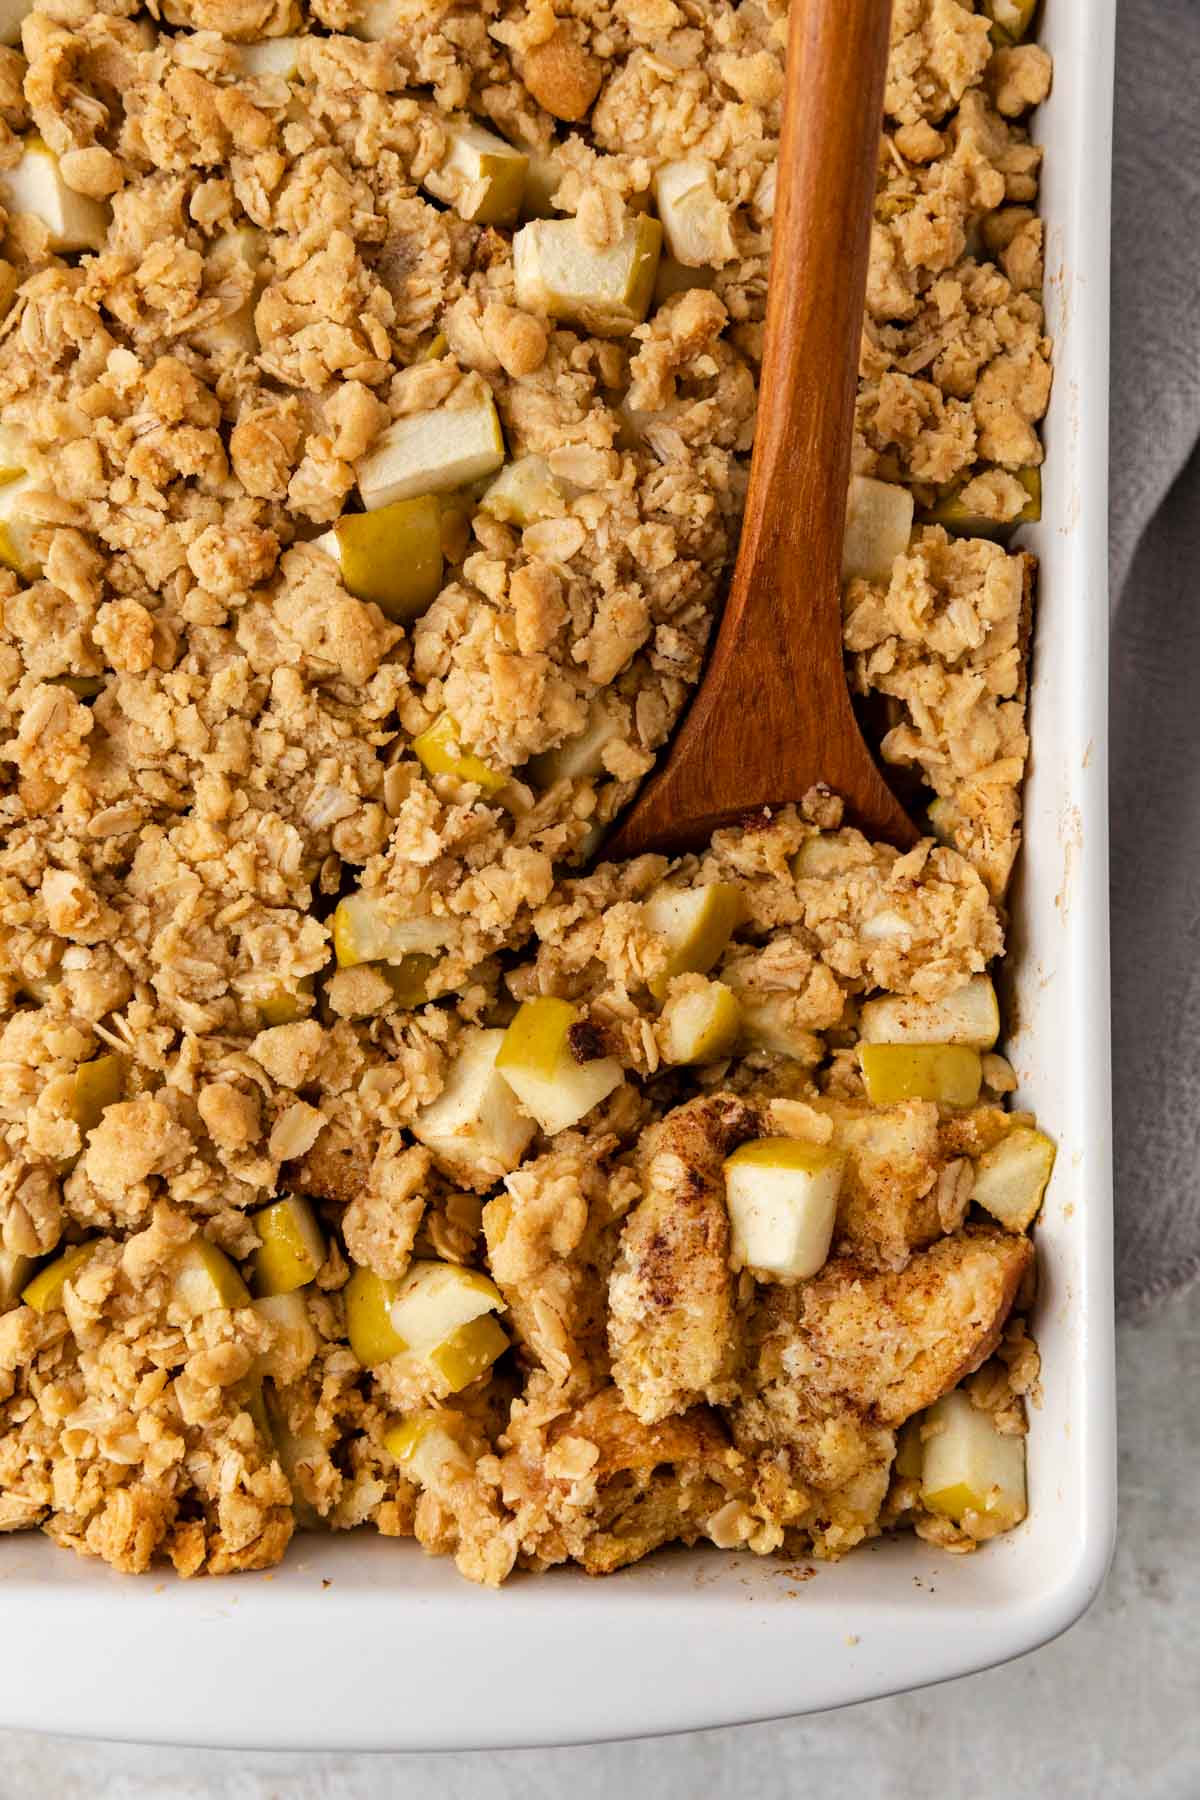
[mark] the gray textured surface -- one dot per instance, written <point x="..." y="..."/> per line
<point x="1107" y="1712"/>
<point x="1156" y="268"/>
<point x="1156" y="647"/>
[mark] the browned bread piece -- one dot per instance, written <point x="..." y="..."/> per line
<point x="603" y="1488"/>
<point x="336" y="1168"/>
<point x="670" y="1297"/>
<point x="904" y="1184"/>
<point x="888" y="1344"/>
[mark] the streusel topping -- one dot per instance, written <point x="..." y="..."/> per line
<point x="287" y="843"/>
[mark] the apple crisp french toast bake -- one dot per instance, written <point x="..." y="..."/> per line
<point x="377" y="388"/>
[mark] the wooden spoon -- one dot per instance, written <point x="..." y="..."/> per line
<point x="773" y="714"/>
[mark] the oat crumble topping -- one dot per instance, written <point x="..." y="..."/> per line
<point x="294" y="830"/>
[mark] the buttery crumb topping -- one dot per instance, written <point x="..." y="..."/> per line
<point x="377" y="392"/>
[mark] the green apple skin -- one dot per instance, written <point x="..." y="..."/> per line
<point x="393" y="556"/>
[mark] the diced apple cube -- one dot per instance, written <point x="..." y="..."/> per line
<point x="45" y="1292"/>
<point x="274" y="56"/>
<point x="392" y="556"/>
<point x="542" y="180"/>
<point x="98" y="1084"/>
<point x="409" y="980"/>
<point x="951" y="1073"/>
<point x="367" y="1298"/>
<point x="237" y="258"/>
<point x="205" y="1280"/>
<point x="824" y="855"/>
<point x="910" y="1452"/>
<point x="440" y="750"/>
<point x="379" y="19"/>
<point x="1011" y="1177"/>
<point x="769" y="1023"/>
<point x="481" y="176"/>
<point x="428" y="1447"/>
<point x="951" y="511"/>
<point x="879" y="520"/>
<point x="365" y="931"/>
<point x="432" y="452"/>
<point x="944" y="819"/>
<point x="16" y="1271"/>
<point x="695" y="221"/>
<point x="523" y="492"/>
<point x="16" y="454"/>
<point x="606" y="291"/>
<point x="291" y="1249"/>
<point x="443" y="1314"/>
<point x="782" y="1197"/>
<point x="437" y="1314"/>
<point x="701" y="1024"/>
<point x="73" y="221"/>
<point x="970" y="1015"/>
<point x="475" y="1127"/>
<point x="697" y="924"/>
<point x="298" y="1453"/>
<point x="234" y="334"/>
<point x="1011" y="19"/>
<point x="468" y="1353"/>
<point x="886" y="926"/>
<point x="283" y="1004"/>
<point x="295" y="1336"/>
<point x="580" y="757"/>
<point x="538" y="1063"/>
<point x="18" y="524"/>
<point x="969" y="1466"/>
<point x="435" y="1299"/>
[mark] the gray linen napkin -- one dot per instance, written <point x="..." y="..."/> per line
<point x="1155" y="695"/>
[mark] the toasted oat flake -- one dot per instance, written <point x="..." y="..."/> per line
<point x="295" y="1132"/>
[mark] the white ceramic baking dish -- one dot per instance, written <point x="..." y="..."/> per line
<point x="364" y="1643"/>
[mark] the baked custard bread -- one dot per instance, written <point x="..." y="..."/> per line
<point x="377" y="391"/>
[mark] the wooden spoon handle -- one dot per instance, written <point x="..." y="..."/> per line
<point x="795" y="509"/>
<point x="773" y="715"/>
